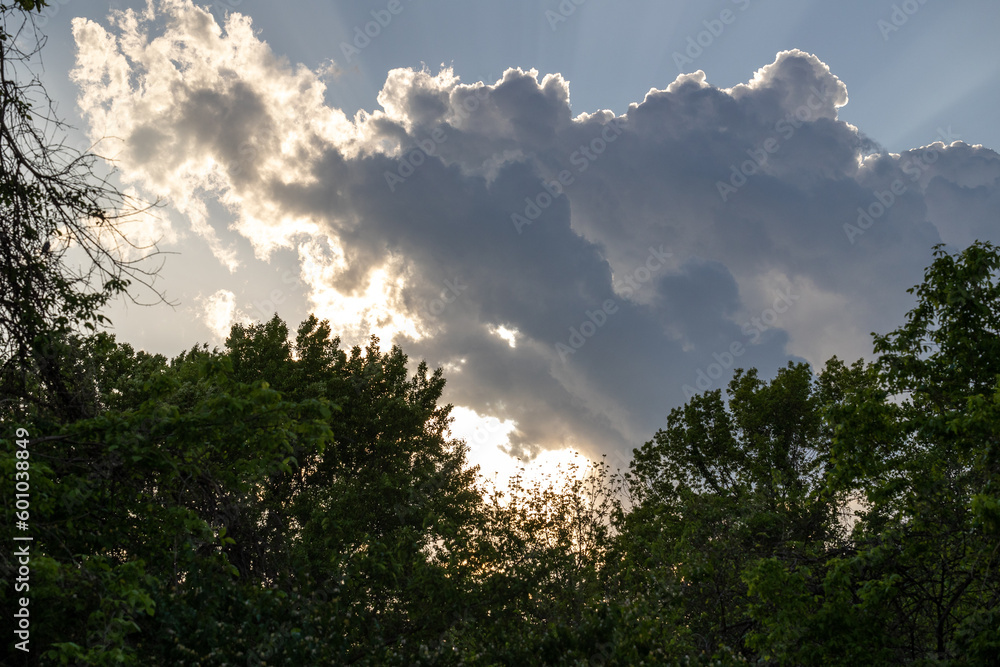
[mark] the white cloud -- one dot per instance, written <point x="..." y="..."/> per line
<point x="508" y="335"/>
<point x="435" y="261"/>
<point x="219" y="313"/>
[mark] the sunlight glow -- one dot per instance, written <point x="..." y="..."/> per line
<point x="509" y="335"/>
<point x="486" y="435"/>
<point x="220" y="312"/>
<point x="373" y="310"/>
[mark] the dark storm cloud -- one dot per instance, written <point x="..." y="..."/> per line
<point x="635" y="256"/>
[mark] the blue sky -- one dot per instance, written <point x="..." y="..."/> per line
<point x="580" y="241"/>
<point x="941" y="66"/>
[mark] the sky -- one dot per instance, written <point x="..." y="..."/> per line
<point x="584" y="211"/>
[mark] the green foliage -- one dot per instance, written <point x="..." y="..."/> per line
<point x="284" y="501"/>
<point x="28" y="5"/>
<point x="287" y="502"/>
<point x="725" y="485"/>
<point x="850" y="518"/>
<point x="65" y="254"/>
<point x="224" y="495"/>
<point x="914" y="444"/>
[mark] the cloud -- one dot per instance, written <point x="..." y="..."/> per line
<point x="457" y="211"/>
<point x="219" y="312"/>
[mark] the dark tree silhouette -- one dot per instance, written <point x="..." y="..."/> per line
<point x="63" y="251"/>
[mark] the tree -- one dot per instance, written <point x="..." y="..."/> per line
<point x="722" y="486"/>
<point x="289" y="502"/>
<point x="62" y="235"/>
<point x="844" y="519"/>
<point x="134" y="510"/>
<point x="917" y="441"/>
<point x="220" y="504"/>
<point x="392" y="500"/>
<point x="539" y="556"/>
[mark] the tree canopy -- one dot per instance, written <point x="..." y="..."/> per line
<point x="287" y="501"/>
<point x="64" y="251"/>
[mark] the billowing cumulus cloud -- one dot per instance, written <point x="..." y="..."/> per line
<point x="577" y="275"/>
